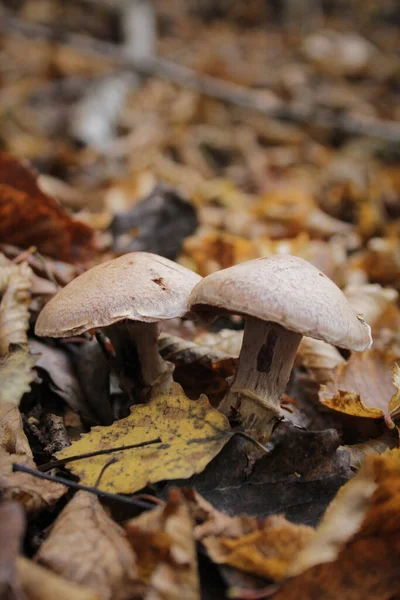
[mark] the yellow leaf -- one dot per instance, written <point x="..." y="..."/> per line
<point x="191" y="433"/>
<point x="350" y="403"/>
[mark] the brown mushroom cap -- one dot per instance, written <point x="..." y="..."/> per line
<point x="286" y="290"/>
<point x="138" y="286"/>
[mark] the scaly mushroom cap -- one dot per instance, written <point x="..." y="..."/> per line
<point x="138" y="286"/>
<point x="286" y="290"/>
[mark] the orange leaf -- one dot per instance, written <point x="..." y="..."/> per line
<point x="29" y="217"/>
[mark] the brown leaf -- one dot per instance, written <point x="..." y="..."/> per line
<point x="212" y="522"/>
<point x="199" y="369"/>
<point x="363" y="386"/>
<point x="34" y="494"/>
<point x="86" y="546"/>
<point x="29" y="217"/>
<point x="16" y="375"/>
<point x="358" y="452"/>
<point x="163" y="542"/>
<point x="12" y="437"/>
<point x="12" y="531"/>
<point x="267" y="551"/>
<point x="319" y="358"/>
<point x="41" y="584"/>
<point x="356" y="550"/>
<point x="14" y="313"/>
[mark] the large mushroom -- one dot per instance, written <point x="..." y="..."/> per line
<point x="126" y="298"/>
<point x="282" y="298"/>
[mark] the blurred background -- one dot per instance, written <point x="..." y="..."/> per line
<point x="214" y="131"/>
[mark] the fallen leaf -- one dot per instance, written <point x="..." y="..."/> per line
<point x="87" y="547"/>
<point x="14" y="313"/>
<point x="192" y="433"/>
<point x="319" y="359"/>
<point x="227" y="341"/>
<point x="54" y="365"/>
<point x="41" y="584"/>
<point x="164" y="545"/>
<point x="12" y="532"/>
<point x="358" y="452"/>
<point x="32" y="493"/>
<point x="12" y="436"/>
<point x="198" y="369"/>
<point x="163" y="220"/>
<point x="16" y="375"/>
<point x="363" y="386"/>
<point x="356" y="549"/>
<point x="29" y="217"/>
<point x="267" y="551"/>
<point x="371" y="301"/>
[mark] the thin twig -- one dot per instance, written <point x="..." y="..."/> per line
<point x="248" y="437"/>
<point x="205" y="84"/>
<point x="78" y="486"/>
<point x="110" y="462"/>
<point x="63" y="461"/>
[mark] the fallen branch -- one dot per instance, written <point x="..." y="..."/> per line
<point x="204" y="84"/>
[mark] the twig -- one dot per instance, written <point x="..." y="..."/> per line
<point x="110" y="462"/>
<point x="205" y="84"/>
<point x="246" y="436"/>
<point x="78" y="486"/>
<point x="59" y="463"/>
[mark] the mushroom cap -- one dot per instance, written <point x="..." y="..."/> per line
<point x="138" y="286"/>
<point x="286" y="290"/>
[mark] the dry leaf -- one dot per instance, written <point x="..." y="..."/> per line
<point x="29" y="217"/>
<point x="356" y="550"/>
<point x="370" y="300"/>
<point x="191" y="433"/>
<point x="14" y="313"/>
<point x="164" y="544"/>
<point x="86" y="546"/>
<point x="12" y="531"/>
<point x="212" y="522"/>
<point x="16" y="375"/>
<point x="363" y="386"/>
<point x="33" y="493"/>
<point x="198" y="369"/>
<point x="319" y="358"/>
<point x="358" y="452"/>
<point x="41" y="584"/>
<point x="267" y="552"/>
<point x="12" y="437"/>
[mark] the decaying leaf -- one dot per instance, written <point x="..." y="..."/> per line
<point x="14" y="313"/>
<point x="191" y="433"/>
<point x="319" y="358"/>
<point x="12" y="531"/>
<point x="363" y="386"/>
<point x="41" y="584"/>
<point x="356" y="549"/>
<point x="16" y="375"/>
<point x="163" y="542"/>
<point x="358" y="452"/>
<point x="34" y="494"/>
<point x="267" y="551"/>
<point x="12" y="436"/>
<point x="31" y="217"/>
<point x="198" y="369"/>
<point x="87" y="547"/>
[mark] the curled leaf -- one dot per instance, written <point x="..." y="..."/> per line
<point x="16" y="375"/>
<point x="14" y="314"/>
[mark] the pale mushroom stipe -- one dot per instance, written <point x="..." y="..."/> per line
<point x="126" y="298"/>
<point x="282" y="298"/>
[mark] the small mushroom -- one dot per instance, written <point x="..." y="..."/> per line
<point x="126" y="298"/>
<point x="283" y="298"/>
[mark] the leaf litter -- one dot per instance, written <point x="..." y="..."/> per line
<point x="242" y="141"/>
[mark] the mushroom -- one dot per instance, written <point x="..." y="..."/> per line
<point x="283" y="298"/>
<point x="126" y="298"/>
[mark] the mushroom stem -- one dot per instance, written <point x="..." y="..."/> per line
<point x="265" y="362"/>
<point x="136" y="348"/>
